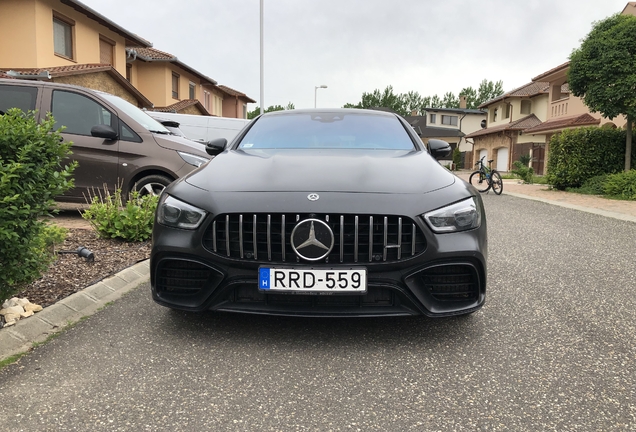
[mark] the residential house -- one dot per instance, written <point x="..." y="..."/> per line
<point x="503" y="140"/>
<point x="172" y="85"/>
<point x="66" y="41"/>
<point x="451" y="125"/>
<point x="234" y="102"/>
<point x="564" y="110"/>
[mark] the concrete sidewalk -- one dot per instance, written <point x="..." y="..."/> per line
<point x="20" y="337"/>
<point x="623" y="210"/>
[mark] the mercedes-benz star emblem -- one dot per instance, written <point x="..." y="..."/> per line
<point x="313" y="197"/>
<point x="312" y="239"/>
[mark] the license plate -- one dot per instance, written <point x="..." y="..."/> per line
<point x="313" y="280"/>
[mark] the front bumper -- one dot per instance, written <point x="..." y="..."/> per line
<point x="447" y="278"/>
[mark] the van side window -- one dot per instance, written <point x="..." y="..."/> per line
<point x="17" y="97"/>
<point x="78" y="113"/>
<point x="127" y="134"/>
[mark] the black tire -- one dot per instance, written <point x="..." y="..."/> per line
<point x="496" y="183"/>
<point x="479" y="181"/>
<point x="151" y="185"/>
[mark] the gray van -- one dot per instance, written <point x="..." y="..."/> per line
<point x="114" y="142"/>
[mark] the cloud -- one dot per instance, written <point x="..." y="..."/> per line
<point x="356" y="46"/>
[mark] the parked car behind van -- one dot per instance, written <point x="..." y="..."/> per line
<point x="114" y="142"/>
<point x="203" y="128"/>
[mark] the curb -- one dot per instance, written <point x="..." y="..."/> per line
<point x="20" y="337"/>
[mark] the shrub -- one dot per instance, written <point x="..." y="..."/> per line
<point x="578" y="154"/>
<point x="621" y="185"/>
<point x="522" y="169"/>
<point x="113" y="218"/>
<point x="31" y="175"/>
<point x="457" y="158"/>
<point x="593" y="186"/>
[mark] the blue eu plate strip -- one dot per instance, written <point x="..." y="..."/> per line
<point x="263" y="278"/>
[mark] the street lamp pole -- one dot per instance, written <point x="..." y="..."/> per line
<point x="262" y="73"/>
<point x="316" y="93"/>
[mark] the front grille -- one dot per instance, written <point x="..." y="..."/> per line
<point x="451" y="282"/>
<point x="181" y="277"/>
<point x="358" y="238"/>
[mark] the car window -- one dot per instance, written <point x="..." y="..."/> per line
<point x="17" y="97"/>
<point x="127" y="134"/>
<point x="78" y="113"/>
<point x="327" y="131"/>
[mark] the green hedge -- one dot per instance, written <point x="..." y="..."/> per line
<point x="578" y="154"/>
<point x="31" y="175"/>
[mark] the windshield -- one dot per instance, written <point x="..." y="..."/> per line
<point x="335" y="130"/>
<point x="136" y="114"/>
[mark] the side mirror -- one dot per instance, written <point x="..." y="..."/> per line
<point x="216" y="146"/>
<point x="438" y="148"/>
<point x="104" y="131"/>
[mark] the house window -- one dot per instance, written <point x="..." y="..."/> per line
<point x="526" y="107"/>
<point x="449" y="120"/>
<point x="507" y="109"/>
<point x="193" y="90"/>
<point x="63" y="36"/>
<point x="129" y="72"/>
<point x="175" y="86"/>
<point x="206" y="100"/>
<point x="433" y="118"/>
<point x="106" y="48"/>
<point x="493" y="115"/>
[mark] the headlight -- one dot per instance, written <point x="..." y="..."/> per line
<point x="460" y="216"/>
<point x="177" y="214"/>
<point x="197" y="161"/>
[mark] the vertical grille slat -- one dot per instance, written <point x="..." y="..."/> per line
<point x="243" y="236"/>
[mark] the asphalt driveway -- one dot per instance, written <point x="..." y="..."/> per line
<point x="553" y="349"/>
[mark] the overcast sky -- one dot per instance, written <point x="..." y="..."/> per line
<point x="356" y="46"/>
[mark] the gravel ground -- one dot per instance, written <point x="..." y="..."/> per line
<point x="71" y="273"/>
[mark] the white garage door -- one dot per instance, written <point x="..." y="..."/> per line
<point x="502" y="159"/>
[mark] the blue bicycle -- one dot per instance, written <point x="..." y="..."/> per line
<point x="486" y="177"/>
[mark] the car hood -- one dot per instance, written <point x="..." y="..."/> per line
<point x="353" y="171"/>
<point x="174" y="142"/>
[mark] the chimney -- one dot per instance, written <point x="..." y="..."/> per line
<point x="414" y="113"/>
<point x="462" y="102"/>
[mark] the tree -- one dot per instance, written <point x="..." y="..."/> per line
<point x="406" y="103"/>
<point x="603" y="72"/>
<point x="257" y="111"/>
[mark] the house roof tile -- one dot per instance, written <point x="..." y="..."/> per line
<point x="181" y="105"/>
<point x="551" y="71"/>
<point x="517" y="125"/>
<point x="563" y="123"/>
<point x="154" y="55"/>
<point x="80" y="69"/>
<point x="527" y="90"/>
<point x="232" y="92"/>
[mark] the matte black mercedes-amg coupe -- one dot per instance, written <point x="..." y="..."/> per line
<point x="322" y="213"/>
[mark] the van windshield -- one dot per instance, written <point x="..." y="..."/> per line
<point x="136" y="114"/>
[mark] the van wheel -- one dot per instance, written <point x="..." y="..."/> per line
<point x="151" y="185"/>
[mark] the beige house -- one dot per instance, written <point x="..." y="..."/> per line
<point x="172" y="85"/>
<point x="234" y="102"/>
<point x="503" y="140"/>
<point x="66" y="41"/>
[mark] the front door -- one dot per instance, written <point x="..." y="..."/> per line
<point x="97" y="157"/>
